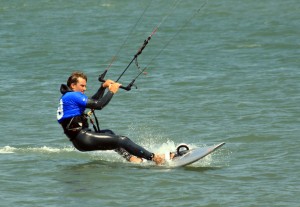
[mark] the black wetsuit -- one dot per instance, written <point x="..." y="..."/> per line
<point x="84" y="139"/>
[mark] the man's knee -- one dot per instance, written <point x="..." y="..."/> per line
<point x="107" y="131"/>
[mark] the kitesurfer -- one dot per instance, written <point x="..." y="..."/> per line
<point x="74" y="121"/>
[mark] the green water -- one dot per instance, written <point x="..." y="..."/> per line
<point x="228" y="74"/>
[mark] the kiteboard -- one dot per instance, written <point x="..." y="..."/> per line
<point x="185" y="156"/>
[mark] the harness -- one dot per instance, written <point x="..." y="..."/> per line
<point x="72" y="126"/>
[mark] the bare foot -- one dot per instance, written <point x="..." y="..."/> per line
<point x="135" y="159"/>
<point x="161" y="159"/>
<point x="158" y="159"/>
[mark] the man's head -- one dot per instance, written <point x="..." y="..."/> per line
<point x="77" y="82"/>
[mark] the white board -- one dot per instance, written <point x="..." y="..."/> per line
<point x="193" y="155"/>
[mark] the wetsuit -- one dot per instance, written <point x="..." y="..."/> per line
<point x="74" y="121"/>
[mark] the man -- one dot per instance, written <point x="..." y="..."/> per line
<point x="71" y="116"/>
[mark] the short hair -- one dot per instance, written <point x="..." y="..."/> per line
<point x="74" y="78"/>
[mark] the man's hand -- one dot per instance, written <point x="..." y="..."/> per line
<point x="107" y="83"/>
<point x="114" y="87"/>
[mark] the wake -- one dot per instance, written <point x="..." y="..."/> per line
<point x="44" y="149"/>
<point x="218" y="158"/>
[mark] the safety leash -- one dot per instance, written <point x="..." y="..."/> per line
<point x="89" y="115"/>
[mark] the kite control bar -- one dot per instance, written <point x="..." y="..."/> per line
<point x="128" y="87"/>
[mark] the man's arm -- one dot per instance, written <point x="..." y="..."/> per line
<point x="99" y="103"/>
<point x="103" y="101"/>
<point x="99" y="94"/>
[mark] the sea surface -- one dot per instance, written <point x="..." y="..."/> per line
<point x="217" y="71"/>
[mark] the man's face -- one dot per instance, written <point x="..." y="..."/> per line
<point x="80" y="86"/>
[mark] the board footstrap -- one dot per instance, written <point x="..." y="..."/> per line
<point x="182" y="149"/>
